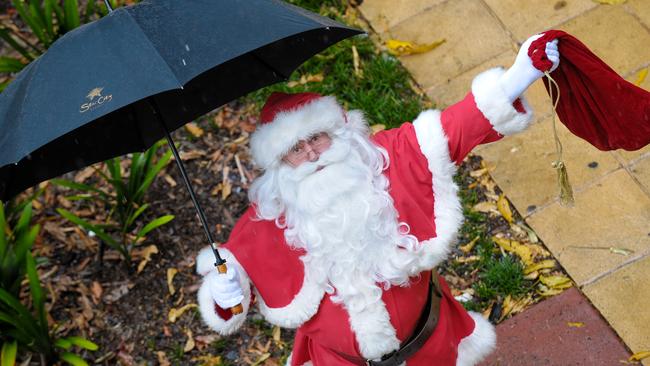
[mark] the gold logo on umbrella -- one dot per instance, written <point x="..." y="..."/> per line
<point x="96" y="99"/>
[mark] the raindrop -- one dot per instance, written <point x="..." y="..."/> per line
<point x="187" y="48"/>
<point x="184" y="64"/>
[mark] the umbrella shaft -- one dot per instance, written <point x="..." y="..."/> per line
<point x="204" y="222"/>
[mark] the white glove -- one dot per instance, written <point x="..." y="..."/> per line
<point x="225" y="289"/>
<point x="522" y="73"/>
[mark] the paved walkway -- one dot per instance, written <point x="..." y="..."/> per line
<point x="612" y="189"/>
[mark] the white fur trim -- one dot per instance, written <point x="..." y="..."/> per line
<point x="271" y="141"/>
<point x="473" y="348"/>
<point x="375" y="334"/>
<point x="206" y="303"/>
<point x="447" y="208"/>
<point x="303" y="306"/>
<point x="492" y="101"/>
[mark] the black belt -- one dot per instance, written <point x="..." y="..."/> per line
<point x="423" y="330"/>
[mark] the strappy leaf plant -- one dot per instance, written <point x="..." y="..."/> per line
<point x="22" y="329"/>
<point x="125" y="200"/>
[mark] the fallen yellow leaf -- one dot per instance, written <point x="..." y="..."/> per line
<point x="404" y="48"/>
<point x="171" y="272"/>
<point x="355" y="61"/>
<point x="276" y="333"/>
<point x="641" y="78"/>
<point x="189" y="345"/>
<point x="174" y="313"/>
<point x="639" y="356"/>
<point x="556" y="282"/>
<point x="576" y="324"/>
<point x="208" y="360"/>
<point x="504" y="208"/>
<point x="478" y="172"/>
<point x="546" y="292"/>
<point x="485" y="207"/>
<point x="307" y="78"/>
<point x="512" y="307"/>
<point x="162" y="359"/>
<point x="377" y="127"/>
<point x="469" y="246"/>
<point x="548" y="263"/>
<point x="146" y="254"/>
<point x="195" y="130"/>
<point x="512" y="246"/>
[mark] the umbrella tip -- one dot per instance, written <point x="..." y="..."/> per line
<point x="108" y="6"/>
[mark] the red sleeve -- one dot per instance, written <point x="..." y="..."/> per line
<point x="466" y="127"/>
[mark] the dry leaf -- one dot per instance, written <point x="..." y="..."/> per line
<point x="546" y="292"/>
<point x="403" y="48"/>
<point x="377" y="127"/>
<point x="189" y="345"/>
<point x="485" y="207"/>
<point x="504" y="208"/>
<point x="260" y="360"/>
<point x="162" y="358"/>
<point x="355" y="61"/>
<point x="176" y="313"/>
<point x="195" y="130"/>
<point x="478" y="172"/>
<point x="276" y="333"/>
<point x="96" y="290"/>
<point x="208" y="360"/>
<point x="556" y="282"/>
<point x="641" y="78"/>
<point x="84" y="174"/>
<point x="512" y="246"/>
<point x="470" y="259"/>
<point x="512" y="307"/>
<point x="576" y="324"/>
<point x="469" y="246"/>
<point x="171" y="272"/>
<point x="621" y="251"/>
<point x="168" y="178"/>
<point x="639" y="356"/>
<point x="192" y="154"/>
<point x="304" y="79"/>
<point x="204" y="341"/>
<point x="548" y="263"/>
<point x="146" y="256"/>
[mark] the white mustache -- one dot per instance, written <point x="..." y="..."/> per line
<point x="335" y="154"/>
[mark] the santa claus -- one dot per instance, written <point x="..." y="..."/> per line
<point x="345" y="228"/>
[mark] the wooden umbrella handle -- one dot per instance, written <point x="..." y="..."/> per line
<point x="237" y="309"/>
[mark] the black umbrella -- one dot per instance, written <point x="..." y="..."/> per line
<point x="119" y="84"/>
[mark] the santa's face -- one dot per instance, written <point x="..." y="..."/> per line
<point x="308" y="149"/>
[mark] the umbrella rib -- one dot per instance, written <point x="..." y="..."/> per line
<point x="156" y="50"/>
<point x="260" y="59"/>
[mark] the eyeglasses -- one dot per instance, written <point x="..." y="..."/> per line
<point x="299" y="153"/>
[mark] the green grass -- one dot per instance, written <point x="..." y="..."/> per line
<point x="501" y="277"/>
<point x="383" y="90"/>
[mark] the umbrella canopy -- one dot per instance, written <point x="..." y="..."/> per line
<point x="118" y="84"/>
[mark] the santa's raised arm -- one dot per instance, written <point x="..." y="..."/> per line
<point x="344" y="228"/>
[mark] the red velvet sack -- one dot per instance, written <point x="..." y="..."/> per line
<point x="595" y="103"/>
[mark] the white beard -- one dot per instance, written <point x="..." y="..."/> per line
<point x="344" y="218"/>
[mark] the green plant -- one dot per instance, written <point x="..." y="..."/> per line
<point x="380" y="86"/>
<point x="124" y="201"/>
<point x="19" y="327"/>
<point x="501" y="277"/>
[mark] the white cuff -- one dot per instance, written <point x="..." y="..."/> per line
<point x="205" y="267"/>
<point x="495" y="105"/>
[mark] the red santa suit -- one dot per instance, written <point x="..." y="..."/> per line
<point x="423" y="157"/>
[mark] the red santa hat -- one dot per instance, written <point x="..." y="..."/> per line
<point x="288" y="118"/>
